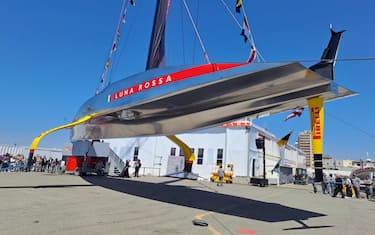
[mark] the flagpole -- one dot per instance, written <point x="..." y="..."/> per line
<point x="260" y="143"/>
<point x="264" y="161"/>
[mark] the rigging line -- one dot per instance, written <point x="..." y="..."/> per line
<point x="195" y="38"/>
<point x="231" y="13"/>
<point x="351" y="125"/>
<point x="239" y="26"/>
<point x="183" y="34"/>
<point x="326" y="60"/>
<point x="252" y="40"/>
<point x="115" y="37"/>
<point x="197" y="33"/>
<point x="117" y="56"/>
<point x="126" y="37"/>
<point x="251" y="35"/>
<point x="260" y="55"/>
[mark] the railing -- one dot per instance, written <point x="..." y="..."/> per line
<point x="116" y="161"/>
<point x="12" y="167"/>
<point x="155" y="171"/>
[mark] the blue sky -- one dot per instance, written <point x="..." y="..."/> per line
<point x="52" y="54"/>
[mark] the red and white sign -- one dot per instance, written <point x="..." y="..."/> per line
<point x="237" y="124"/>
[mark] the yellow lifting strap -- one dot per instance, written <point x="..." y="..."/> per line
<point x="37" y="139"/>
<point x="189" y="155"/>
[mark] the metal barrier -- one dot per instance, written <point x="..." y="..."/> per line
<point x="150" y="171"/>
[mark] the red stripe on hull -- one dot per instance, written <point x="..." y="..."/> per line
<point x="169" y="78"/>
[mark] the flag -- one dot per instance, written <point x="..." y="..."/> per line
<point x="276" y="168"/>
<point x="114" y="47"/>
<point x="245" y="32"/>
<point x="107" y="64"/>
<point x="238" y="6"/>
<point x="123" y="19"/>
<point x="281" y="143"/>
<point x="284" y="140"/>
<point x="297" y="112"/>
<point x="244" y="35"/>
<point x="102" y="77"/>
<point x="118" y="33"/>
<point x="253" y="54"/>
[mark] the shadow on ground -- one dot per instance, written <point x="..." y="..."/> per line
<point x="48" y="186"/>
<point x="205" y="200"/>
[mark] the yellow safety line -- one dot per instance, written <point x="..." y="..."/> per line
<point x="189" y="155"/>
<point x="200" y="216"/>
<point x="35" y="142"/>
<point x="209" y="227"/>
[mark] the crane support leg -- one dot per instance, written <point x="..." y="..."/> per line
<point x="189" y="155"/>
<point x="316" y="109"/>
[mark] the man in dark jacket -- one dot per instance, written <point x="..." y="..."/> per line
<point x="339" y="187"/>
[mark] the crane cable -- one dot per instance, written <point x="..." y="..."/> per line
<point x="197" y="33"/>
<point x="252" y="41"/>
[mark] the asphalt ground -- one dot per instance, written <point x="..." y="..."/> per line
<point x="42" y="203"/>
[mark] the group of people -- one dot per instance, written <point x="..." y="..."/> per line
<point x="39" y="163"/>
<point x="333" y="185"/>
<point x="125" y="170"/>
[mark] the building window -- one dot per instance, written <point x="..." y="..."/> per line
<point x="219" y="160"/>
<point x="173" y="151"/>
<point x="136" y="151"/>
<point x="200" y="156"/>
<point x="182" y="152"/>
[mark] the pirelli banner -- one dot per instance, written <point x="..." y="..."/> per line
<point x="317" y="130"/>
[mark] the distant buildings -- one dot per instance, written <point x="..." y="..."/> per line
<point x="304" y="144"/>
<point x="329" y="163"/>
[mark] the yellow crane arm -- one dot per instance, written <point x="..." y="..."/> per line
<point x="189" y="155"/>
<point x="37" y="139"/>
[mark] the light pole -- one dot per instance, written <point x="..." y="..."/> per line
<point x="260" y="143"/>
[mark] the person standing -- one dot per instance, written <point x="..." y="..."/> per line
<point x="127" y="166"/>
<point x="339" y="187"/>
<point x="356" y="185"/>
<point x="138" y="165"/>
<point x="325" y="184"/>
<point x="348" y="187"/>
<point x="331" y="184"/>
<point x="312" y="181"/>
<point x="369" y="187"/>
<point x="220" y="174"/>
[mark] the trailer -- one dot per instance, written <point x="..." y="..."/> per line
<point x="88" y="157"/>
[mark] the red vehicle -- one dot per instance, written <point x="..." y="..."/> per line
<point x="80" y="165"/>
<point x="88" y="157"/>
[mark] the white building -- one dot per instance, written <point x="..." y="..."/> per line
<point x="14" y="150"/>
<point x="233" y="143"/>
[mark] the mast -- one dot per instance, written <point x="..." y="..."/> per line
<point x="156" y="52"/>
